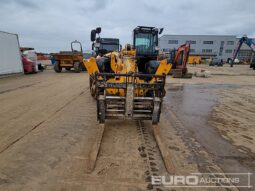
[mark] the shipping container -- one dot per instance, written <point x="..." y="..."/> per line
<point x="10" y="57"/>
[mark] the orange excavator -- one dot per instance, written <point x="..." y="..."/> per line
<point x="179" y="59"/>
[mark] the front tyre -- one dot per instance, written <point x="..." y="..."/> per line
<point x="57" y="67"/>
<point x="92" y="86"/>
<point x="77" y="67"/>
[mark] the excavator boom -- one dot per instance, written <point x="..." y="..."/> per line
<point x="179" y="58"/>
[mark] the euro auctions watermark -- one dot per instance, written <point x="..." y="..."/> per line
<point x="206" y="180"/>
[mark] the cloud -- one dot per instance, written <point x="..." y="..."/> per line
<point x="50" y="26"/>
<point x="22" y="3"/>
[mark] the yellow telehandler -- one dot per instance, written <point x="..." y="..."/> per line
<point x="129" y="84"/>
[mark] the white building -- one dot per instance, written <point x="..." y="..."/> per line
<point x="10" y="57"/>
<point x="220" y="46"/>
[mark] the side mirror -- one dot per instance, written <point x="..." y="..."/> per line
<point x="161" y="30"/>
<point x="93" y="35"/>
<point x="98" y="30"/>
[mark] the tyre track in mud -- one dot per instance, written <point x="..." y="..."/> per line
<point x="86" y="91"/>
<point x="189" y="117"/>
<point x="150" y="153"/>
<point x="204" y="159"/>
<point x="147" y="157"/>
<point x="19" y="88"/>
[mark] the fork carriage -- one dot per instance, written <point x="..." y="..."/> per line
<point x="133" y="98"/>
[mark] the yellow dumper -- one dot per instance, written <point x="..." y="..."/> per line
<point x="194" y="59"/>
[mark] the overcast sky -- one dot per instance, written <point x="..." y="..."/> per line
<point x="50" y="25"/>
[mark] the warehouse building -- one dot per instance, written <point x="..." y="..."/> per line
<point x="245" y="54"/>
<point x="206" y="46"/>
<point x="10" y="58"/>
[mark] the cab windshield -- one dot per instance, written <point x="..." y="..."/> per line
<point x="145" y="43"/>
<point x="109" y="47"/>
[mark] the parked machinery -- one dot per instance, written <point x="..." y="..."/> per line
<point x="251" y="43"/>
<point x="102" y="46"/>
<point x="29" y="63"/>
<point x="130" y="83"/>
<point x="194" y="59"/>
<point x="69" y="59"/>
<point x="179" y="59"/>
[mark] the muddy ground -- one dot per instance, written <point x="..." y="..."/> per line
<point x="48" y="125"/>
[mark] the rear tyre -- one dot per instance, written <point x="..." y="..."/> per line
<point x="40" y="67"/>
<point x="92" y="86"/>
<point x="83" y="68"/>
<point x="77" y="67"/>
<point x="57" y="67"/>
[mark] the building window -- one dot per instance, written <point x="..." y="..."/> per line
<point x="207" y="50"/>
<point x="172" y="41"/>
<point x="165" y="50"/>
<point x="230" y="42"/>
<point x="221" y="50"/>
<point x="191" y="41"/>
<point x="192" y="50"/>
<point x="207" y="42"/>
<point x="228" y="51"/>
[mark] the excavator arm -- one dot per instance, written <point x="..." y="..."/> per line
<point x="179" y="59"/>
<point x="250" y="42"/>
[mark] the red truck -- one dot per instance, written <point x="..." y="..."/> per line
<point x="28" y="65"/>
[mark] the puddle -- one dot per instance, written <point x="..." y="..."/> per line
<point x="192" y="104"/>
